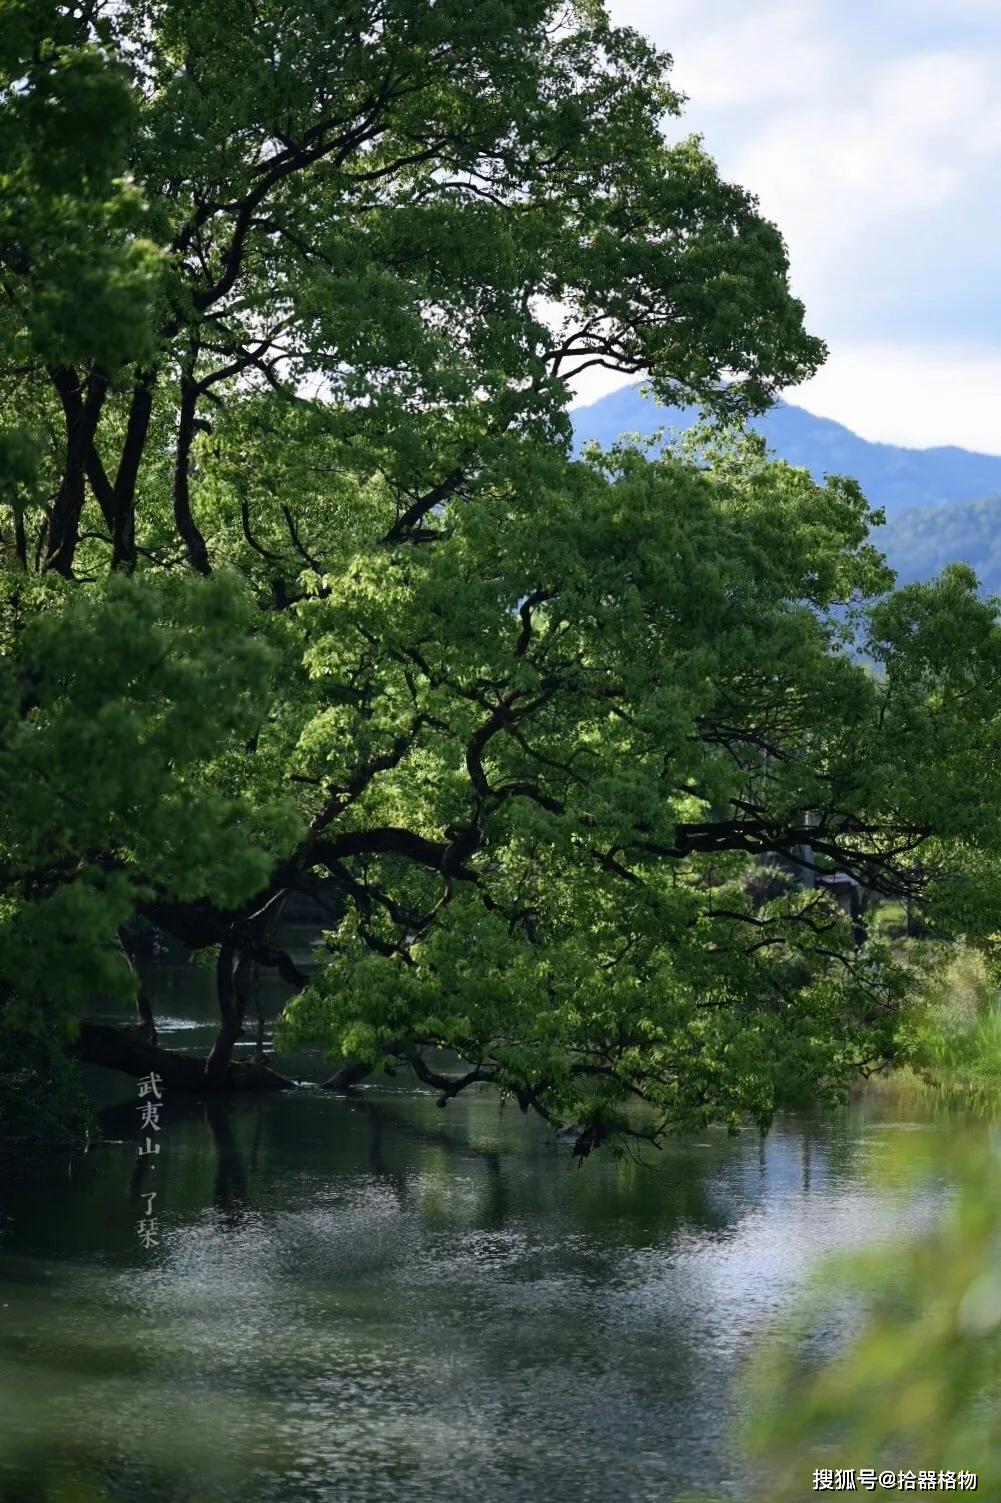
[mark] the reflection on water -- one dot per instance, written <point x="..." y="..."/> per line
<point x="381" y="1300"/>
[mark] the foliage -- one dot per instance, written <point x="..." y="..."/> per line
<point x="41" y="1094"/>
<point x="951" y="1040"/>
<point x="103" y="766"/>
<point x="303" y="591"/>
<point x="915" y="1384"/>
<point x="79" y="272"/>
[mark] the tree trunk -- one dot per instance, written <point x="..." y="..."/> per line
<point x="347" y="1076"/>
<point x="145" y="1021"/>
<point x="82" y="410"/>
<point x="124" y="530"/>
<point x="255" y="991"/>
<point x="232" y="977"/>
<point x="194" y="542"/>
<point x="123" y="1049"/>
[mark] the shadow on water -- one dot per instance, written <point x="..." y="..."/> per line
<point x="375" y="1299"/>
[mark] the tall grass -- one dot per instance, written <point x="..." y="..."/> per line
<point x="952" y="1043"/>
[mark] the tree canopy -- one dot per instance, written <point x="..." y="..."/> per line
<point x="304" y="592"/>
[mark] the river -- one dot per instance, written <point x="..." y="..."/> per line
<point x="375" y="1299"/>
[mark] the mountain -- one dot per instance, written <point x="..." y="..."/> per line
<point x="918" y="542"/>
<point x="892" y="477"/>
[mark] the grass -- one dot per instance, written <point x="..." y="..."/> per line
<point x="952" y="1045"/>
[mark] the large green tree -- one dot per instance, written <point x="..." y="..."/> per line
<point x="304" y="591"/>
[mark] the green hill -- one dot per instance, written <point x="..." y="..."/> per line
<point x="919" y="541"/>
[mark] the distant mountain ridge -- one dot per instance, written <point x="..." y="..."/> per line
<point x="892" y="477"/>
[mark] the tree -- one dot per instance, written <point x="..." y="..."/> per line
<point x="520" y="722"/>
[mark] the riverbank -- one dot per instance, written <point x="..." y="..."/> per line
<point x="950" y="1043"/>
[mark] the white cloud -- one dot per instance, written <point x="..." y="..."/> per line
<point x="919" y="396"/>
<point x="872" y="136"/>
<point x="883" y="198"/>
<point x="920" y="136"/>
<point x="737" y="63"/>
<point x="591" y="385"/>
<point x="948" y="11"/>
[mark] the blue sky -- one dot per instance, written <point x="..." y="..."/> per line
<point x="871" y="132"/>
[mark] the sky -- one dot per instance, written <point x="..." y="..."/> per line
<point x="870" y="130"/>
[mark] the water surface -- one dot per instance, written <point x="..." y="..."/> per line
<point x="376" y="1299"/>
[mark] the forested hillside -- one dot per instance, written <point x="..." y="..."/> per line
<point x="921" y="541"/>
